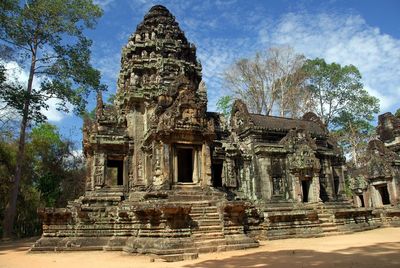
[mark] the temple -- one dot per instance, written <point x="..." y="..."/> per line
<point x="167" y="178"/>
<point x="376" y="183"/>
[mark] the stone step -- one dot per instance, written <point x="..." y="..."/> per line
<point x="209" y="249"/>
<point x="208" y="229"/>
<point x="329" y="229"/>
<point x="202" y="204"/>
<point x="210" y="242"/>
<point x="333" y="233"/>
<point x="200" y="210"/>
<point x="208" y="222"/>
<point x="205" y="217"/>
<point x="176" y="257"/>
<point x="324" y="215"/>
<point x="206" y="236"/>
<point x="241" y="246"/>
<point x="327" y="224"/>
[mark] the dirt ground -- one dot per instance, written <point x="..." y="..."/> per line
<point x="377" y="248"/>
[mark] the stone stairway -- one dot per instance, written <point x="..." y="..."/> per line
<point x="327" y="223"/>
<point x="211" y="231"/>
<point x="207" y="227"/>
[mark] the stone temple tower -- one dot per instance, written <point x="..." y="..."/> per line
<point x="157" y="135"/>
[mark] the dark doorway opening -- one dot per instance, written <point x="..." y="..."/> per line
<point x="217" y="174"/>
<point x="114" y="174"/>
<point x="323" y="193"/>
<point x="305" y="185"/>
<point x="336" y="185"/>
<point x="383" y="191"/>
<point x="361" y="197"/>
<point x="185" y="164"/>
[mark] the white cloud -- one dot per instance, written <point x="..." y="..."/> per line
<point x="104" y="3"/>
<point x="345" y="39"/>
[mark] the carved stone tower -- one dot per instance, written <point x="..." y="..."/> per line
<point x="160" y="107"/>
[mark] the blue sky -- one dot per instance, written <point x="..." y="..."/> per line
<point x="363" y="33"/>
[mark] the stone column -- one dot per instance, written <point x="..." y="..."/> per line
<point x="206" y="178"/>
<point x="126" y="172"/>
<point x="376" y="197"/>
<point x="166" y="163"/>
<point x="89" y="182"/>
<point x="99" y="170"/>
<point x="264" y="166"/>
<point x="297" y="188"/>
<point x="314" y="192"/>
<point x="196" y="168"/>
<point x="329" y="178"/>
<point x="392" y="192"/>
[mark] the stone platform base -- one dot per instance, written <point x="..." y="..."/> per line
<point x="179" y="224"/>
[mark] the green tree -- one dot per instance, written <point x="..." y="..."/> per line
<point x="397" y="113"/>
<point x="49" y="37"/>
<point x="53" y="174"/>
<point x="353" y="136"/>
<point x="344" y="106"/>
<point x="224" y="105"/>
<point x="48" y="151"/>
<point x="337" y="92"/>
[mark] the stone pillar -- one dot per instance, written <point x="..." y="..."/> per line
<point x="248" y="180"/>
<point x="392" y="192"/>
<point x="196" y="165"/>
<point x="126" y="172"/>
<point x="329" y="178"/>
<point x="166" y="163"/>
<point x="158" y="178"/>
<point x="206" y="178"/>
<point x="314" y="193"/>
<point x="297" y="188"/>
<point x="89" y="182"/>
<point x="376" y="197"/>
<point x="340" y="173"/>
<point x="264" y="166"/>
<point x="99" y="170"/>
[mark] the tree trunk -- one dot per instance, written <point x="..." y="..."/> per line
<point x="11" y="207"/>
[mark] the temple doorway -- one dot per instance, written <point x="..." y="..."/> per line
<point x="185" y="164"/>
<point x="361" y="200"/>
<point x="323" y="193"/>
<point x="114" y="172"/>
<point x="336" y="185"/>
<point x="305" y="186"/>
<point x="217" y="174"/>
<point x="384" y="194"/>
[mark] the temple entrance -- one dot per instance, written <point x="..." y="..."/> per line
<point x="361" y="199"/>
<point x="185" y="164"/>
<point x="384" y="194"/>
<point x="305" y="187"/>
<point x="217" y="174"/>
<point x="323" y="194"/>
<point x="114" y="172"/>
<point x="336" y="185"/>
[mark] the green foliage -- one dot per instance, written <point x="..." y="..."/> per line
<point x="48" y="151"/>
<point x="53" y="175"/>
<point x="338" y="94"/>
<point x="49" y="37"/>
<point x="397" y="113"/>
<point x="224" y="105"/>
<point x="111" y="98"/>
<point x="343" y="104"/>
